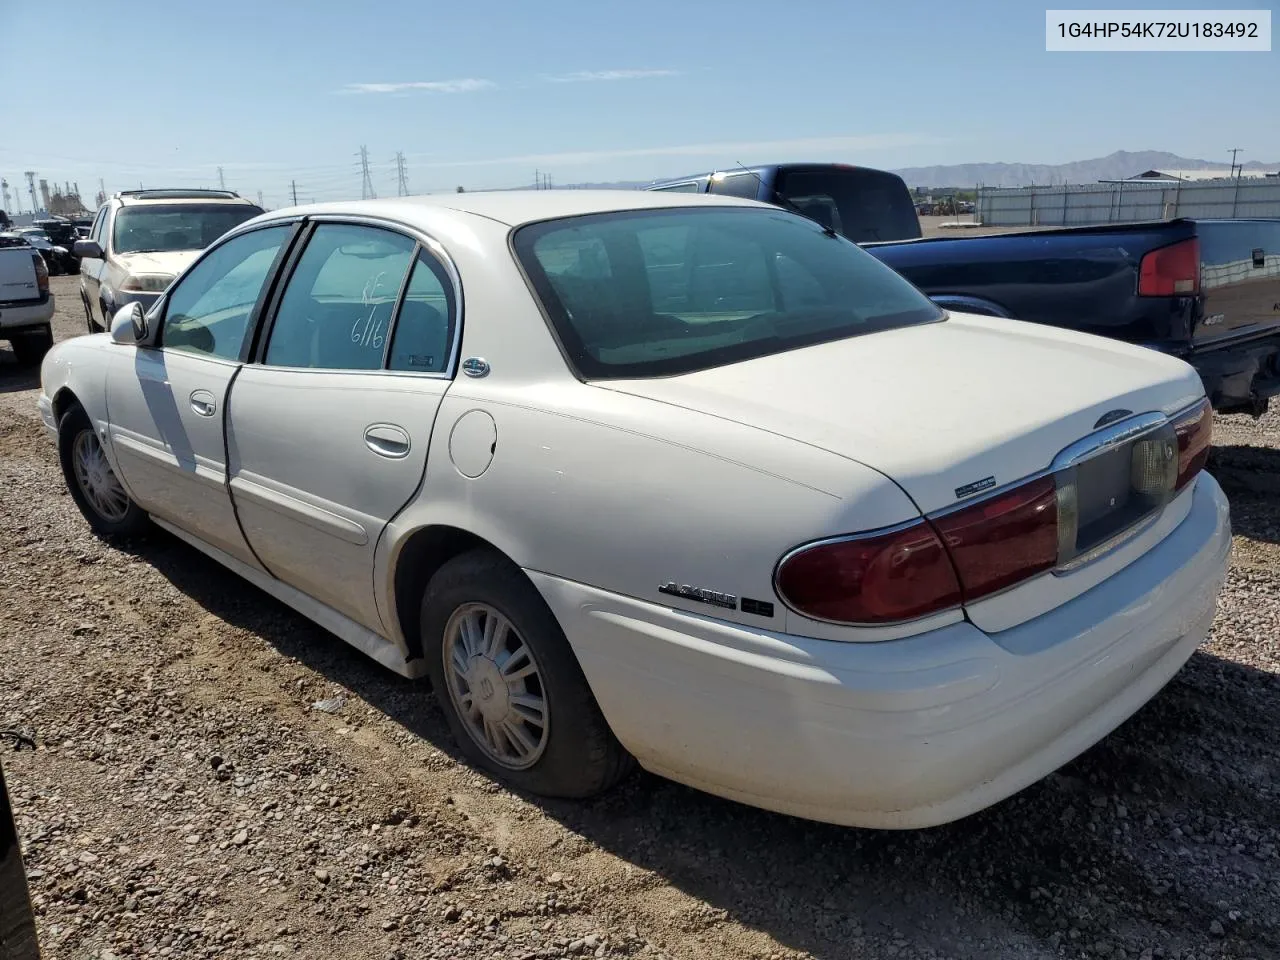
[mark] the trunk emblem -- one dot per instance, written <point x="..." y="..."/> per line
<point x="969" y="489"/>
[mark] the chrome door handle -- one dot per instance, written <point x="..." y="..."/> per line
<point x="202" y="403"/>
<point x="387" y="440"/>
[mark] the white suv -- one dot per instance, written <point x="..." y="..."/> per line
<point x="142" y="239"/>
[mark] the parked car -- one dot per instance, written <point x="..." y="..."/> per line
<point x="141" y="239"/>
<point x="26" y="304"/>
<point x="684" y="479"/>
<point x="56" y="258"/>
<point x="17" y="921"/>
<point x="1201" y="290"/>
<point x="62" y="233"/>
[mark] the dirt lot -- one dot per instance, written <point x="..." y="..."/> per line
<point x="187" y="800"/>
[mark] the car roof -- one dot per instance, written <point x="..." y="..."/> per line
<point x="170" y="201"/>
<point x="516" y="207"/>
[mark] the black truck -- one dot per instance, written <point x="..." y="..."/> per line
<point x="1207" y="291"/>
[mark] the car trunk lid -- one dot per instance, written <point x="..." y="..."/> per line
<point x="949" y="411"/>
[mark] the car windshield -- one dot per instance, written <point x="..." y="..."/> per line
<point x="661" y="292"/>
<point x="176" y="226"/>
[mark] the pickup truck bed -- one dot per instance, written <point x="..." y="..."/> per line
<point x="1217" y="306"/>
<point x="26" y="305"/>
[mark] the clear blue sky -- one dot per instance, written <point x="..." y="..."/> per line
<point x="483" y="93"/>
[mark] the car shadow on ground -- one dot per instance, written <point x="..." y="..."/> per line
<point x="1079" y="862"/>
<point x="1250" y="476"/>
<point x="13" y="377"/>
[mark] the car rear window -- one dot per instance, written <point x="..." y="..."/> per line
<point x="863" y="205"/>
<point x="662" y="292"/>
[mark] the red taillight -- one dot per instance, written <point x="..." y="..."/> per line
<point x="1051" y="522"/>
<point x="42" y="272"/>
<point x="1194" y="431"/>
<point x="1000" y="541"/>
<point x="879" y="578"/>
<point x="1171" y="271"/>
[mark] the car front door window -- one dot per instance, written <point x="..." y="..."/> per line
<point x="208" y="311"/>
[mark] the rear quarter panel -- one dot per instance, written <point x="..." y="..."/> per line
<point x="626" y="494"/>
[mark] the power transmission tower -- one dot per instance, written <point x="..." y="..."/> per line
<point x="260" y="199"/>
<point x="293" y="185"/>
<point x="402" y="185"/>
<point x="222" y="181"/>
<point x="4" y="191"/>
<point x="366" y="187"/>
<point x="1234" y="151"/>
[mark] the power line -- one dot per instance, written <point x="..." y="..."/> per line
<point x="366" y="187"/>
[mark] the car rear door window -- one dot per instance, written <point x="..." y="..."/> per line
<point x="209" y="309"/>
<point x="423" y="337"/>
<point x="338" y="305"/>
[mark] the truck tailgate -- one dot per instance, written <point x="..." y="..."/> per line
<point x="1239" y="280"/>
<point x="18" y="275"/>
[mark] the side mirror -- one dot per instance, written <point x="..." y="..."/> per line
<point x="87" y="249"/>
<point x="129" y="324"/>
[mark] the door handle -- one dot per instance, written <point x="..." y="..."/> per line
<point x="203" y="403"/>
<point x="387" y="440"/>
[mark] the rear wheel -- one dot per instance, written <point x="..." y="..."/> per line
<point x="91" y="481"/>
<point x="509" y="684"/>
<point x="30" y="347"/>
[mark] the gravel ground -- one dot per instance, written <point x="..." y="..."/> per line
<point x="188" y="800"/>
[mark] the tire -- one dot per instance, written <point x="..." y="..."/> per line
<point x="129" y="519"/>
<point x="106" y="315"/>
<point x="576" y="754"/>
<point x="88" y="316"/>
<point x="29" y="348"/>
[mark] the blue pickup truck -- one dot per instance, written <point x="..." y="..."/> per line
<point x="1207" y="291"/>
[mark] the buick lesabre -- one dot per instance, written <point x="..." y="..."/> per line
<point x="684" y="480"/>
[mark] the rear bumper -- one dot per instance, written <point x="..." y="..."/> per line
<point x="904" y="733"/>
<point x="1241" y="375"/>
<point x="18" y="316"/>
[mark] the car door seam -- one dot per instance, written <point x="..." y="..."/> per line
<point x="226" y="470"/>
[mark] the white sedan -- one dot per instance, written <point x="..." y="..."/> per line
<point x="687" y="480"/>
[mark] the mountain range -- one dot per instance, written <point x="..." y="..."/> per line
<point x="1114" y="166"/>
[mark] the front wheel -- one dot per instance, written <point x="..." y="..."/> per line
<point x="91" y="481"/>
<point x="509" y="684"/>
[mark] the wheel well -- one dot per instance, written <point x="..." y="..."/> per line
<point x="63" y="400"/>
<point x="426" y="551"/>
